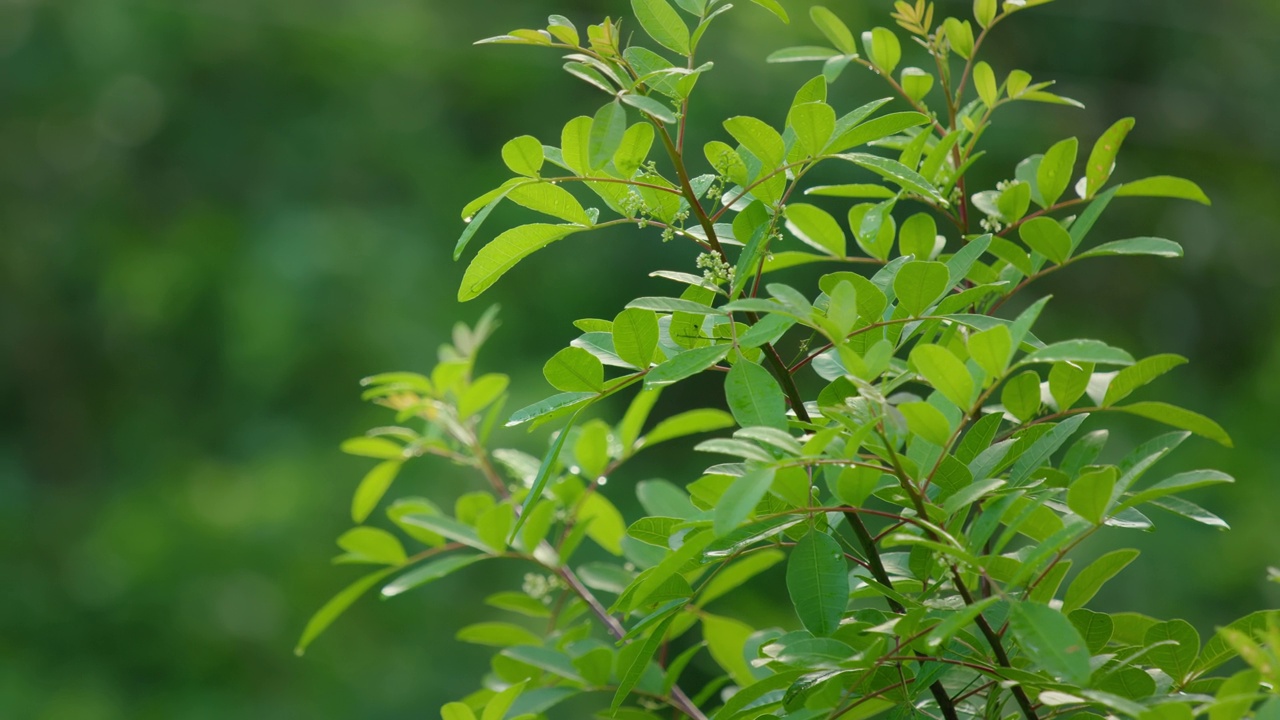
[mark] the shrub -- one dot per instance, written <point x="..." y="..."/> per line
<point x="925" y="501"/>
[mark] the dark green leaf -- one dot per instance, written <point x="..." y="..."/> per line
<point x="663" y="24"/>
<point x="1051" y="641"/>
<point x="740" y="500"/>
<point x="754" y="396"/>
<point x="818" y="582"/>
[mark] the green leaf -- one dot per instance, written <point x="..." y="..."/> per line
<point x="726" y="639"/>
<point x="1043" y="448"/>
<point x="1164" y="186"/>
<point x="740" y="500"/>
<point x="523" y="155"/>
<point x="1092" y="578"/>
<point x="736" y="574"/>
<point x="1079" y="351"/>
<point x="551" y="200"/>
<point x="1182" y="482"/>
<point x="432" y="571"/>
<point x="1053" y="177"/>
<point x="927" y="421"/>
<point x="457" y="711"/>
<point x="1047" y="237"/>
<point x="883" y="49"/>
<point x="1095" y="627"/>
<point x="372" y="545"/>
<point x="1236" y="696"/>
<point x="684" y="365"/>
<point x="1158" y="247"/>
<point x="1068" y="382"/>
<point x="544" y="474"/>
<point x="647" y="104"/>
<point x="960" y="36"/>
<point x="634" y="148"/>
<point x="373" y="447"/>
<point x="945" y="372"/>
<point x="984" y="11"/>
<point x="956" y="621"/>
<point x="556" y="403"/>
<point x="1102" y="160"/>
<point x="1218" y="650"/>
<point x="338" y="604"/>
<point x="635" y="336"/>
<point x="604" y="523"/>
<point x="573" y="369"/>
<point x="1090" y="495"/>
<point x="640" y="663"/>
<point x="754" y="396"/>
<point x="835" y="30"/>
<point x="1180" y="418"/>
<point x="816" y="227"/>
<point x="499" y="704"/>
<point x="1050" y="641"/>
<point x="919" y="284"/>
<point x="813" y="123"/>
<point x="691" y="422"/>
<point x="759" y="138"/>
<point x="497" y="634"/>
<point x="450" y="528"/>
<point x="774" y="7"/>
<point x="1021" y="395"/>
<point x="502" y="254"/>
<point x="896" y="172"/>
<point x="663" y="24"/>
<point x="1139" y="374"/>
<point x="984" y="81"/>
<point x="1176" y="660"/>
<point x="918" y="236"/>
<point x="372" y="488"/>
<point x="992" y="349"/>
<point x="916" y="83"/>
<point x="607" y="129"/>
<point x="818" y="582"/>
<point x="875" y="129"/>
<point x="805" y="53"/>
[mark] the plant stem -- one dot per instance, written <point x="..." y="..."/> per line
<point x="997" y="646"/>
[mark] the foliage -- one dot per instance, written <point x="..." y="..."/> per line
<point x="925" y="499"/>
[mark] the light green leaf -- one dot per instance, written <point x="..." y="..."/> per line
<point x="502" y="254"/>
<point x="635" y="336"/>
<point x="945" y="372"/>
<point x="553" y="404"/>
<point x="774" y="7"/>
<point x="497" y="634"/>
<point x="647" y="104"/>
<point x="1050" y="641"/>
<point x="663" y="24"/>
<point x="1180" y="418"/>
<point x="640" y="663"/>
<point x="372" y="545"/>
<point x="876" y="129"/>
<point x="984" y="81"/>
<point x="607" y="129"/>
<point x="759" y="138"/>
<point x="1047" y="237"/>
<point x="916" y="83"/>
<point x="918" y="235"/>
<point x="805" y="53"/>
<point x="813" y="123"/>
<point x="957" y="621"/>
<point x="457" y="711"/>
<point x="927" y="421"/>
<point x="740" y="500"/>
<point x="573" y="369"/>
<point x="1176" y="660"/>
<point x="1182" y="482"/>
<point x="726" y="639"/>
<point x="817" y="228"/>
<point x="552" y="200"/>
<point x="896" y="172"/>
<point x="499" y="704"/>
<point x="835" y="30"/>
<point x="1158" y="247"/>
<point x="544" y="474"/>
<point x="523" y="155"/>
<point x="1079" y="351"/>
<point x="1164" y="186"/>
<point x="684" y="365"/>
<point x="818" y="582"/>
<point x="1053" y="177"/>
<point x="919" y="284"/>
<point x="634" y="148"/>
<point x="432" y="571"/>
<point x="1102" y="160"/>
<point x="1021" y="395"/>
<point x="1090" y="495"/>
<point x="373" y="447"/>
<point x="992" y="349"/>
<point x="372" y="488"/>
<point x="984" y="11"/>
<point x="960" y="36"/>
<point x="737" y="573"/>
<point x="883" y="49"/>
<point x="325" y="616"/>
<point x="604" y="523"/>
<point x="575" y="140"/>
<point x="754" y="396"/>
<point x="1092" y="578"/>
<point x="691" y="422"/>
<point x="1068" y="382"/>
<point x="1139" y="374"/>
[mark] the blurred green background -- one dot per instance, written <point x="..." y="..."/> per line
<point x="217" y="215"/>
